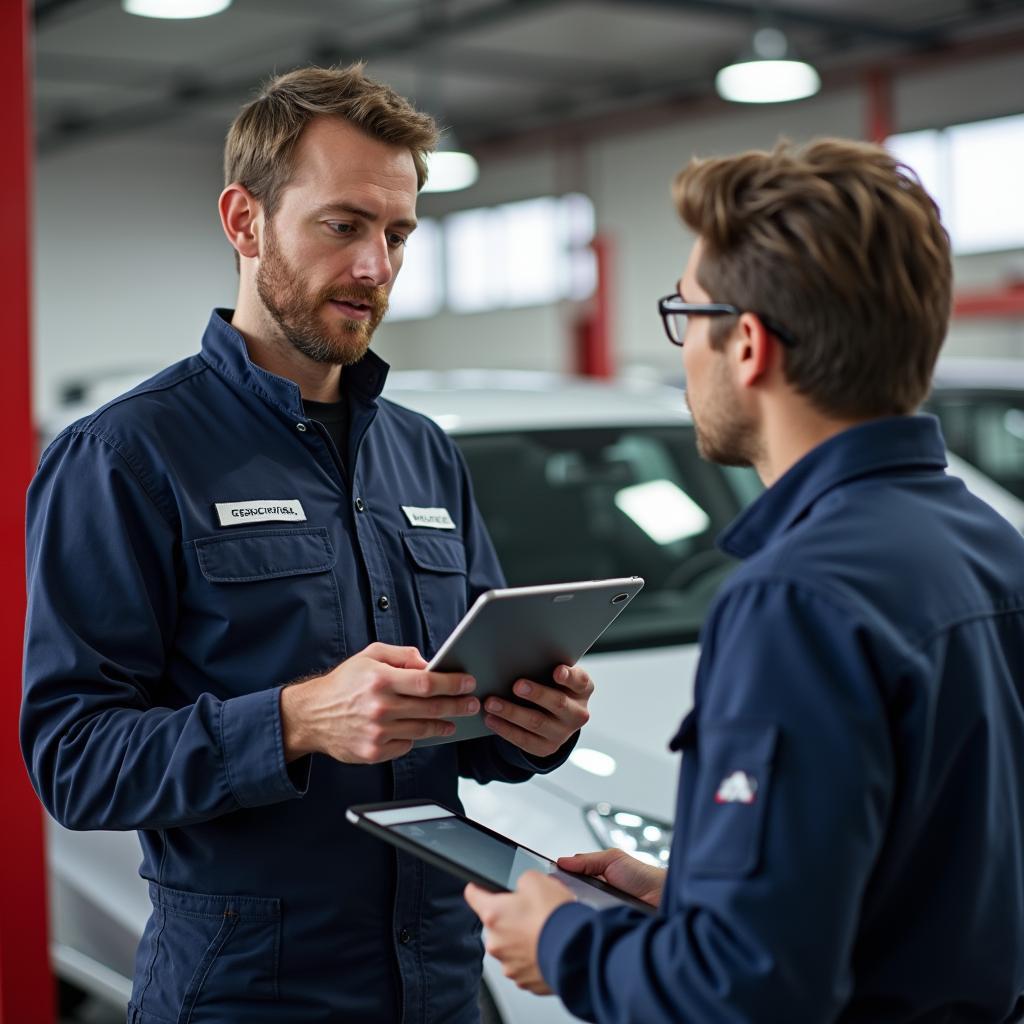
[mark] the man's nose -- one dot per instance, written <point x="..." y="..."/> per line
<point x="372" y="262"/>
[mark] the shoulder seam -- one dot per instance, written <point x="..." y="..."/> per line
<point x="137" y="472"/>
<point x="135" y="393"/>
<point x="815" y="590"/>
<point x="1010" y="606"/>
<point x="916" y="641"/>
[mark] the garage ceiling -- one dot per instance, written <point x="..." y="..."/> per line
<point x="493" y="70"/>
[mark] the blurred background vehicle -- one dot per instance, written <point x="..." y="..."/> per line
<point x="980" y="403"/>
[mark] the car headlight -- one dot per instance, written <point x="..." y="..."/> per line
<point x="642" y="837"/>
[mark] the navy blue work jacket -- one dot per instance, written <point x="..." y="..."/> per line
<point x="161" y="626"/>
<point x="849" y="840"/>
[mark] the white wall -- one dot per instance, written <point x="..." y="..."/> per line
<point x="129" y="256"/>
<point x="633" y="176"/>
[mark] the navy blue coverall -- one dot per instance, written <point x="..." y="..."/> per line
<point x="849" y="840"/>
<point x="160" y="630"/>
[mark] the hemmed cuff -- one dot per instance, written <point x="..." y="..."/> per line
<point x="559" y="930"/>
<point x="253" y="748"/>
<point x="534" y="764"/>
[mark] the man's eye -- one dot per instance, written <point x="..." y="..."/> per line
<point x="396" y="241"/>
<point x="339" y="228"/>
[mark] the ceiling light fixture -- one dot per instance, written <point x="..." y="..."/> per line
<point x="178" y="9"/>
<point x="450" y="168"/>
<point x="768" y="74"/>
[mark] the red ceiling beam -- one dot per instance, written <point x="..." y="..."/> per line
<point x="1004" y="301"/>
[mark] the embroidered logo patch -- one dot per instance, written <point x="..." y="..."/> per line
<point x="435" y="518"/>
<point x="737" y="788"/>
<point x="269" y="510"/>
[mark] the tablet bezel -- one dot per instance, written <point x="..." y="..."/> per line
<point x="357" y="816"/>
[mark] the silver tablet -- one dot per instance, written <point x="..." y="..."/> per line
<point x="526" y="633"/>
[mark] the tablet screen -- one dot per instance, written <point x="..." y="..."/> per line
<point x="498" y="860"/>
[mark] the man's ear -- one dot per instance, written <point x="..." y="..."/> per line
<point x="241" y="217"/>
<point x="753" y="349"/>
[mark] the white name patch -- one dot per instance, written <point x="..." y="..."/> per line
<point x="270" y="510"/>
<point x="435" y="518"/>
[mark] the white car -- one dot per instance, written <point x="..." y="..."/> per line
<point x="981" y="405"/>
<point x="576" y="480"/>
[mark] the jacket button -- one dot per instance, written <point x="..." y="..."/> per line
<point x="404" y="936"/>
<point x="300" y="427"/>
<point x="360" y="505"/>
<point x="383" y="603"/>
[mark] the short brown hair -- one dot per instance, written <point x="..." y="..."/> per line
<point x="261" y="141"/>
<point x="838" y="243"/>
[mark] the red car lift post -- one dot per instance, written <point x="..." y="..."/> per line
<point x="26" y="983"/>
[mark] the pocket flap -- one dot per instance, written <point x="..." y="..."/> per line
<point x="436" y="553"/>
<point x="264" y="555"/>
<point x="687" y="734"/>
<point x="744" y="743"/>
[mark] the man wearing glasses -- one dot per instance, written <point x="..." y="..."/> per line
<point x="849" y="840"/>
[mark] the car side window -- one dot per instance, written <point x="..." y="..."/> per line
<point x="986" y="429"/>
<point x="575" y="504"/>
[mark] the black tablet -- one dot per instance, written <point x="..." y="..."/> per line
<point x="473" y="852"/>
<point x="526" y="633"/>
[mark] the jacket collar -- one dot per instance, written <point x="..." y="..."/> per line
<point x="225" y="350"/>
<point x="878" y="446"/>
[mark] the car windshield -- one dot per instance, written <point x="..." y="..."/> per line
<point x="566" y="505"/>
<point x="985" y="427"/>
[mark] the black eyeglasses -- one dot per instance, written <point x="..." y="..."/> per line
<point x="674" y="312"/>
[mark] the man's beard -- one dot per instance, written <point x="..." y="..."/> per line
<point x="723" y="434"/>
<point x="300" y="316"/>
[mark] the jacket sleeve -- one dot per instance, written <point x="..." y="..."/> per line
<point x="492" y="758"/>
<point x="103" y="749"/>
<point x="785" y="789"/>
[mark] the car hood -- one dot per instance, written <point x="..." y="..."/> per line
<point x="640" y="697"/>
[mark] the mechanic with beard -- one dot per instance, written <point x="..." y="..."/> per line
<point x="258" y="516"/>
<point x="849" y="840"/>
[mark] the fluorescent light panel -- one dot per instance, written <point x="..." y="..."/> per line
<point x="177" y="9"/>
<point x="594" y="761"/>
<point x="450" y="171"/>
<point x="767" y="81"/>
<point x="663" y="510"/>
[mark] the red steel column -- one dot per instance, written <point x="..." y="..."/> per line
<point x="880" y="120"/>
<point x="26" y="985"/>
<point x="593" y="331"/>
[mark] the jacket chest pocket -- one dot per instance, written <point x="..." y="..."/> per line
<point x="439" y="571"/>
<point x="269" y="593"/>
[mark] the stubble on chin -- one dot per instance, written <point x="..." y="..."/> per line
<point x="722" y="435"/>
<point x="341" y="345"/>
<point x="308" y="322"/>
